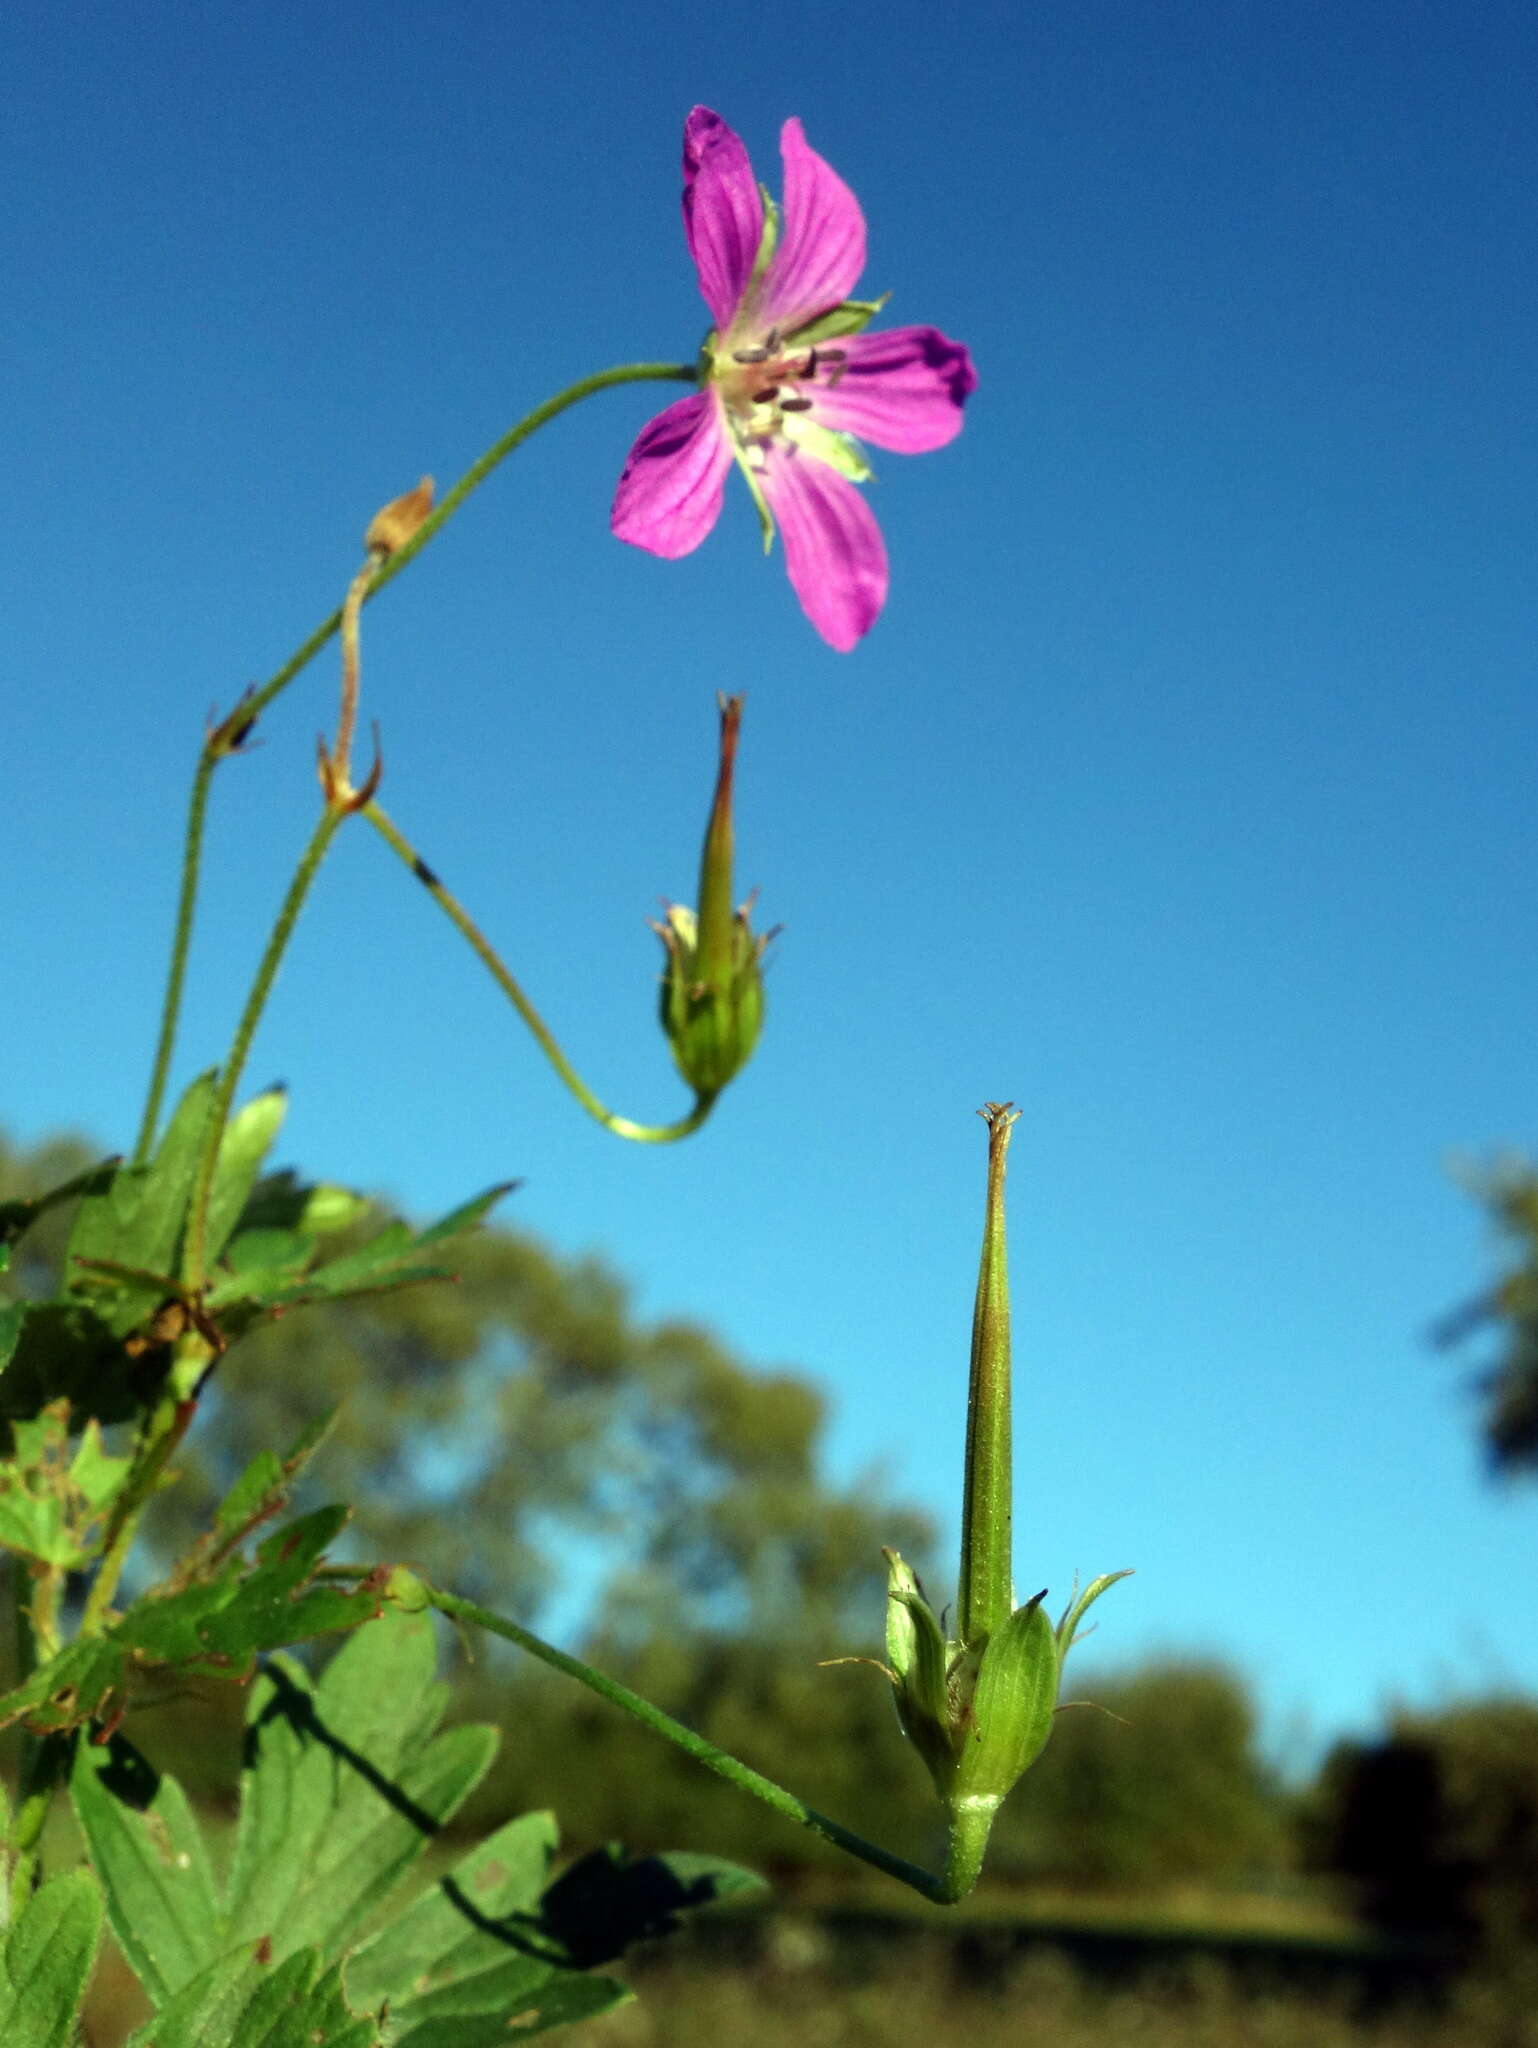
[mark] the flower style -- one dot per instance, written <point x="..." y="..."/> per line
<point x="788" y="380"/>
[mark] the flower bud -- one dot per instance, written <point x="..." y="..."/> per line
<point x="394" y="524"/>
<point x="712" y="1004"/>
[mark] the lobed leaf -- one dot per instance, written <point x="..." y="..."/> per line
<point x="137" y="1221"/>
<point x="46" y="1960"/>
<point x="243" y="2001"/>
<point x="248" y="1138"/>
<point x="148" y="1851"/>
<point x="346" y="1785"/>
<point x="219" y="1625"/>
<point x="79" y="1685"/>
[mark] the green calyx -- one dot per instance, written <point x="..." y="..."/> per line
<point x="712" y="1022"/>
<point x="978" y="1714"/>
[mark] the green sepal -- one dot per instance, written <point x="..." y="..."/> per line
<point x="918" y="1655"/>
<point x="1012" y="1705"/>
<point x="756" y="493"/>
<point x="852" y="317"/>
<point x="841" y="452"/>
<point x="1077" y="1608"/>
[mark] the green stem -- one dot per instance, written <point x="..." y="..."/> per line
<point x="161" y="1434"/>
<point x="194" y="1257"/>
<point x="227" y="736"/>
<point x="44" y="1772"/>
<point x="181" y="940"/>
<point x="490" y="959"/>
<point x="986" y="1593"/>
<point x="474" y="476"/>
<point x="971" y="1822"/>
<point x="718" y="1760"/>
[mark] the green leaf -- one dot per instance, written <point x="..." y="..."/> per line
<point x="242" y="2001"/>
<point x="218" y="1626"/>
<point x="148" y="1852"/>
<point x="449" y="1934"/>
<point x="17" y="1217"/>
<point x="518" y="1998"/>
<point x="348" y="1785"/>
<point x="609" y="1899"/>
<point x="261" y="1489"/>
<point x="46" y="1962"/>
<point x="494" y="1950"/>
<point x="248" y="1138"/>
<point x="281" y="1201"/>
<point x="76" y="1686"/>
<point x="466" y="1217"/>
<point x="138" y="1220"/>
<point x="51" y="1506"/>
<point x="63" y="1350"/>
<point x="266" y="1268"/>
<point x="346" y="1781"/>
<point x="255" y="1253"/>
<point x="12" y="1317"/>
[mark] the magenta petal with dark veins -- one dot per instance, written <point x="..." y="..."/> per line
<point x="902" y="389"/>
<point x="723" y="212"/>
<point x="669" y="494"/>
<point x="834" y="553"/>
<point x="821" y="250"/>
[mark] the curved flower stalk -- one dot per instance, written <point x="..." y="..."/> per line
<point x="788" y="381"/>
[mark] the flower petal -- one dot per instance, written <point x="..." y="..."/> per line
<point x="833" y="547"/>
<point x="821" y="250"/>
<point x="902" y="389"/>
<point x="723" y="212"/>
<point x="669" y="494"/>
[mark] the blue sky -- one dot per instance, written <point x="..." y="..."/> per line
<point x="1184" y="793"/>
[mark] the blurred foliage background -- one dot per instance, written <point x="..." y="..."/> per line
<point x="523" y="1438"/>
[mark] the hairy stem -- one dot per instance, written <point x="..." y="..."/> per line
<point x="181" y="940"/>
<point x="718" y="1760"/>
<point x="195" y="1253"/>
<point x="229" y="733"/>
<point x="491" y="960"/>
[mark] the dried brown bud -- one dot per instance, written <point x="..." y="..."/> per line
<point x="394" y="524"/>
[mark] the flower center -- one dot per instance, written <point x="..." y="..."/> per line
<point x="760" y="381"/>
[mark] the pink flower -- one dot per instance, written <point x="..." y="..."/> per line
<point x="788" y="380"/>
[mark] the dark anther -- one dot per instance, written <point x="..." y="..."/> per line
<point x="771" y="341"/>
<point x="750" y="355"/>
<point x="425" y="874"/>
<point x="833" y="355"/>
<point x="809" y="367"/>
<point x="795" y="405"/>
<point x="767" y="396"/>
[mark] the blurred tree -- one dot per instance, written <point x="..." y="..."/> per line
<point x="1508" y="1389"/>
<point x="1437" y="1825"/>
<point x="494" y="1428"/>
<point x="1157" y="1783"/>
